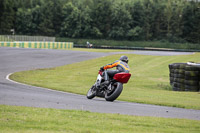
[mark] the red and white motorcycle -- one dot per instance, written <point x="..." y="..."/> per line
<point x="111" y="89"/>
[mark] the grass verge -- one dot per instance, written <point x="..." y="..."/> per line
<point x="149" y="82"/>
<point x="30" y="120"/>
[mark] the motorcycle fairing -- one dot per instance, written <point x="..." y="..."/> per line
<point x="122" y="77"/>
<point x="99" y="78"/>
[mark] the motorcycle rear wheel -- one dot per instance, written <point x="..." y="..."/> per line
<point x="114" y="93"/>
<point x="91" y="92"/>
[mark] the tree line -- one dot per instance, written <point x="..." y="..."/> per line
<point x="172" y="20"/>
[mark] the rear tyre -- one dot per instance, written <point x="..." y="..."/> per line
<point x="91" y="92"/>
<point x="114" y="93"/>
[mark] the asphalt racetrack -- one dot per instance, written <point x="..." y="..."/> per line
<point x="19" y="59"/>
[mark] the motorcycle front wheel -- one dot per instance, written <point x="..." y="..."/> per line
<point x="115" y="91"/>
<point x="91" y="92"/>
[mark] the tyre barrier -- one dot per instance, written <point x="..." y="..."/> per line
<point x="42" y="45"/>
<point x="184" y="76"/>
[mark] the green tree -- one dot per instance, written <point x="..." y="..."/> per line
<point x="28" y="20"/>
<point x="136" y="31"/>
<point x="191" y="22"/>
<point x="46" y="26"/>
<point x="148" y="19"/>
<point x="77" y="22"/>
<point x="36" y="19"/>
<point x="7" y="16"/>
<point x="71" y="25"/>
<point x="120" y="20"/>
<point x="158" y="19"/>
<point x="86" y="27"/>
<point x="101" y="14"/>
<point x="175" y="20"/>
<point x="24" y="21"/>
<point x="57" y="17"/>
<point x="173" y="13"/>
<point x="137" y="13"/>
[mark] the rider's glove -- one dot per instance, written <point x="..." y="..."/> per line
<point x="102" y="68"/>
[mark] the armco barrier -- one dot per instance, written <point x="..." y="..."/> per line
<point x="137" y="48"/>
<point x="42" y="45"/>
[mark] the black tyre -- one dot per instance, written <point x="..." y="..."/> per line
<point x="176" y="65"/>
<point x="179" y="76"/>
<point x="182" y="65"/>
<point x="199" y="86"/>
<point x="179" y="65"/>
<point x="171" y="70"/>
<point x="179" y="80"/>
<point x="191" y="73"/>
<point x="181" y="71"/>
<point x="178" y="86"/>
<point x="191" y="88"/>
<point x="171" y="74"/>
<point x="175" y="89"/>
<point x="192" y="68"/>
<point x="114" y="93"/>
<point x="171" y="79"/>
<point x="91" y="92"/>
<point x="176" y="71"/>
<point x="171" y="66"/>
<point x="192" y="82"/>
<point x="191" y="78"/>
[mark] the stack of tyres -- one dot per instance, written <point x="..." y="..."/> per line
<point x="177" y="76"/>
<point x="184" y="77"/>
<point x="192" y="78"/>
<point x="171" y="74"/>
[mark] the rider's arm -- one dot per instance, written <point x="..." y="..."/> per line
<point x="111" y="65"/>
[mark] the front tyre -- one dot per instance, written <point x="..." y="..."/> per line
<point x="91" y="92"/>
<point x="115" y="91"/>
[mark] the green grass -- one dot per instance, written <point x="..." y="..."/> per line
<point x="149" y="82"/>
<point x="15" y="119"/>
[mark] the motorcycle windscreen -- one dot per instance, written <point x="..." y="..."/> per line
<point x="122" y="77"/>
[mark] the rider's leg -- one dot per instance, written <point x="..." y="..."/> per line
<point x="111" y="73"/>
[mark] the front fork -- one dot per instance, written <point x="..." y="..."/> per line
<point x="106" y="86"/>
<point x="109" y="87"/>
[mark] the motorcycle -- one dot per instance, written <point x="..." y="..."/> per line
<point x="109" y="89"/>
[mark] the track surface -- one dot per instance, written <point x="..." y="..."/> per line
<point x="11" y="93"/>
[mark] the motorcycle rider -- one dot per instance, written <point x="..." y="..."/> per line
<point x="121" y="66"/>
<point x="111" y="89"/>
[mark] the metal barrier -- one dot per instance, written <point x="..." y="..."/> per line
<point x="137" y="48"/>
<point x="12" y="38"/>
